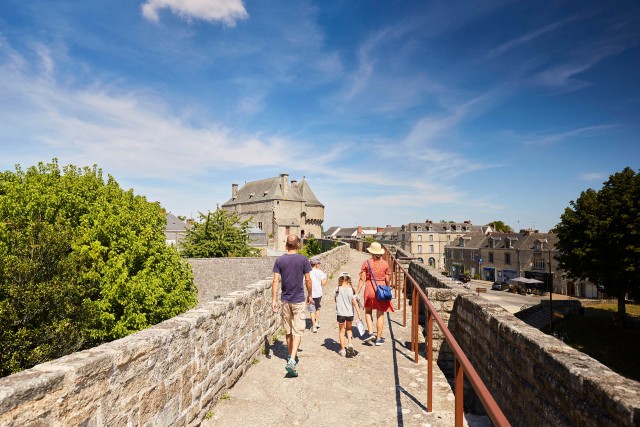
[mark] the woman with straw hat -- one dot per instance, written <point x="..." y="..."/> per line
<point x="376" y="268"/>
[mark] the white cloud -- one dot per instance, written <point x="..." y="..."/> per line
<point x="552" y="138"/>
<point x="225" y="11"/>
<point x="593" y="176"/>
<point x="528" y="37"/>
<point x="133" y="132"/>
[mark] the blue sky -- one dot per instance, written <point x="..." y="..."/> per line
<point x="394" y="111"/>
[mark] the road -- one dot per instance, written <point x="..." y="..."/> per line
<point x="510" y="302"/>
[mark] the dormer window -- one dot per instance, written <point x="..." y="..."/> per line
<point x="461" y="242"/>
<point x="538" y="245"/>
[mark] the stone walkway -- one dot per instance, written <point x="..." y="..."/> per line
<point x="381" y="386"/>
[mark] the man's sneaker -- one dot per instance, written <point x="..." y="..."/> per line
<point x="291" y="368"/>
<point x="343" y="352"/>
<point x="351" y="352"/>
<point x="380" y="341"/>
<point x="318" y="325"/>
<point x="368" y="337"/>
<point x="314" y="329"/>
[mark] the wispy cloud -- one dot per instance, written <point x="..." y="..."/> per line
<point x="556" y="137"/>
<point x="133" y="131"/>
<point x="225" y="11"/>
<point x="593" y="176"/>
<point x="507" y="46"/>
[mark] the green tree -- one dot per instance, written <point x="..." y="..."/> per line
<point x="81" y="262"/>
<point x="501" y="227"/>
<point x="218" y="234"/>
<point x="311" y="247"/>
<point x="598" y="236"/>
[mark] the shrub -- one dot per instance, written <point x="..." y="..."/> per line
<point x="81" y="262"/>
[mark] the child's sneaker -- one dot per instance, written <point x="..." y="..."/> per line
<point x="380" y="342"/>
<point x="351" y="352"/>
<point x="343" y="352"/>
<point x="314" y="329"/>
<point x="291" y="368"/>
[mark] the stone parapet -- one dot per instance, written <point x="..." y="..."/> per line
<point x="167" y="375"/>
<point x="536" y="379"/>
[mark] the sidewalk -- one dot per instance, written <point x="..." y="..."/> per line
<point x="381" y="386"/>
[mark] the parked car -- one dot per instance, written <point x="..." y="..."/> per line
<point x="464" y="278"/>
<point x="499" y="286"/>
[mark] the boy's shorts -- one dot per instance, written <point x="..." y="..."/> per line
<point x="316" y="301"/>
<point x="342" y="319"/>
<point x="294" y="317"/>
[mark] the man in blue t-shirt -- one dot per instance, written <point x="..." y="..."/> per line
<point x="293" y="270"/>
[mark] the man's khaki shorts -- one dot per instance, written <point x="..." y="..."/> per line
<point x="294" y="318"/>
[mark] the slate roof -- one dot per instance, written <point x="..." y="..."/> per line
<point x="525" y="241"/>
<point x="174" y="223"/>
<point x="347" y="232"/>
<point x="307" y="195"/>
<point x="388" y="233"/>
<point x="443" y="227"/>
<point x="331" y="230"/>
<point x="271" y="189"/>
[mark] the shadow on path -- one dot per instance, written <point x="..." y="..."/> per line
<point x="399" y="389"/>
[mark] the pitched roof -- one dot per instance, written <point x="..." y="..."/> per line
<point x="307" y="195"/>
<point x="331" y="230"/>
<point x="174" y="223"/>
<point x="273" y="189"/>
<point x="347" y="232"/>
<point x="443" y="227"/>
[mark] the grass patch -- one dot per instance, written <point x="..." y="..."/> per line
<point x="208" y="415"/>
<point x="225" y="396"/>
<point x="595" y="334"/>
<point x="255" y="361"/>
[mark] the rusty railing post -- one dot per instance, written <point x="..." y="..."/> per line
<point x="429" y="351"/>
<point x="404" y="310"/>
<point x="459" y="392"/>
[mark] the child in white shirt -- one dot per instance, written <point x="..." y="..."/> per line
<point x="318" y="280"/>
<point x="346" y="304"/>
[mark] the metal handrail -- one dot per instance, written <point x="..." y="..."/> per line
<point x="462" y="365"/>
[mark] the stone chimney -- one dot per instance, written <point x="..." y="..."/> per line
<point x="360" y="230"/>
<point x="429" y="221"/>
<point x="234" y="191"/>
<point x="468" y="222"/>
<point x="284" y="180"/>
<point x="294" y="183"/>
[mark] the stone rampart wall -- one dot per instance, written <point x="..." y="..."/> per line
<point x="536" y="379"/>
<point x="167" y="375"/>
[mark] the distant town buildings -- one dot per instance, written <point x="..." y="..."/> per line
<point x="498" y="257"/>
<point x="279" y="208"/>
<point x="428" y="239"/>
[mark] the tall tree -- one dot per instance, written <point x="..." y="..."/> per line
<point x="218" y="234"/>
<point x="598" y="236"/>
<point x="81" y="262"/>
<point x="500" y="226"/>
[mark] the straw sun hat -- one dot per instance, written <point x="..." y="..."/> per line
<point x="376" y="249"/>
